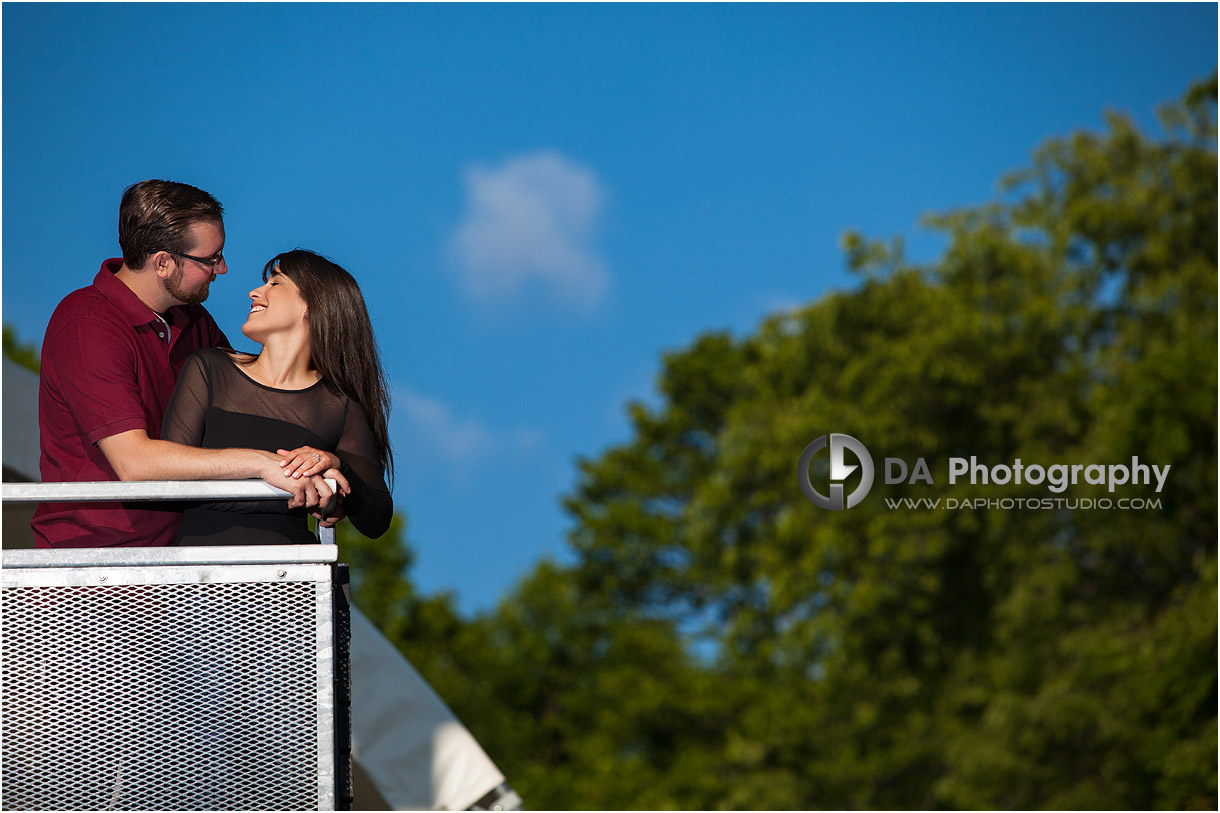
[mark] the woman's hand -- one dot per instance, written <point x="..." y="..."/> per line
<point x="330" y="509"/>
<point x="302" y="491"/>
<point x="332" y="518"/>
<point x="341" y="484"/>
<point x="306" y="461"/>
<point x="328" y="501"/>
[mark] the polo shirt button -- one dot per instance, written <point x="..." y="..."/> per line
<point x="162" y="335"/>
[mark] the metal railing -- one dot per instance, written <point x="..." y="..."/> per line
<point x="151" y="491"/>
<point x="173" y="678"/>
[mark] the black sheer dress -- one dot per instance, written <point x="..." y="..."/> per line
<point x="217" y="406"/>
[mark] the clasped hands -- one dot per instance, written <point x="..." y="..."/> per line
<point x="303" y="472"/>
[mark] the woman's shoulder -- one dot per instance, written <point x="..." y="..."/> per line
<point x="219" y="361"/>
<point x="330" y="391"/>
<point x="216" y="355"/>
<point x="210" y="353"/>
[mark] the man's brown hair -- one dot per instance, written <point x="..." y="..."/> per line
<point x="158" y="215"/>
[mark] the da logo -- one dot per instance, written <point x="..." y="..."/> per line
<point x="839" y="470"/>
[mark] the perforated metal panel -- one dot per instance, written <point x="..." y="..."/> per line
<point x="177" y="687"/>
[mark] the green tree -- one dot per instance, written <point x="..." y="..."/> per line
<point x="900" y="658"/>
<point x="16" y="350"/>
<point x="577" y="704"/>
<point x="722" y="643"/>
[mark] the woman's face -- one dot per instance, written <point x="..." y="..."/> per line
<point x="275" y="306"/>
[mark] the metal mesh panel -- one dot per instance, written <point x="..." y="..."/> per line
<point x="169" y="696"/>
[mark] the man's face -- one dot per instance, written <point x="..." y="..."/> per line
<point x="190" y="279"/>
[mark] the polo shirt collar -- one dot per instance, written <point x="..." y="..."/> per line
<point x="120" y="295"/>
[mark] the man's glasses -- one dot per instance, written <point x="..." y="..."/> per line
<point x="210" y="262"/>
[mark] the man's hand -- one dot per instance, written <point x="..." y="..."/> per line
<point x="309" y="492"/>
<point x="135" y="456"/>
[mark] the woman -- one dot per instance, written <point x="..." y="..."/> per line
<point x="315" y="395"/>
<point x="317" y="389"/>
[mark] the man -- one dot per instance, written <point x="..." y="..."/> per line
<point x="110" y="359"/>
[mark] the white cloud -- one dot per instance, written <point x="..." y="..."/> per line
<point x="531" y="220"/>
<point x="455" y="439"/>
<point x="434" y="431"/>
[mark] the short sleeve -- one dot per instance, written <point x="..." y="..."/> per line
<point x="370" y="506"/>
<point x="98" y="381"/>
<point x="184" y="417"/>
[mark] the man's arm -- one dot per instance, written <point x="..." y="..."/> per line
<point x="135" y="456"/>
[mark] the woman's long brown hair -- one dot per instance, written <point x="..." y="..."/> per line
<point x="341" y="343"/>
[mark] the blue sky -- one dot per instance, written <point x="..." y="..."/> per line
<point x="539" y="201"/>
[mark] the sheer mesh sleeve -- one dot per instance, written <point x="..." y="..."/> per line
<point x="370" y="506"/>
<point x="216" y="405"/>
<point x="184" y="417"/>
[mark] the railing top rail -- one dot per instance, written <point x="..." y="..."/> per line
<point x="145" y="557"/>
<point x="151" y="491"/>
<point x="209" y="490"/>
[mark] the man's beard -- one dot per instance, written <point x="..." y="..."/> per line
<point x="173" y="285"/>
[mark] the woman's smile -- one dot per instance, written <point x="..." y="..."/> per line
<point x="290" y="308"/>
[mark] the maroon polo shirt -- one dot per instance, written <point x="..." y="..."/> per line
<point x="108" y="367"/>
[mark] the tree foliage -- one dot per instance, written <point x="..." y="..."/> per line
<point x="16" y="350"/>
<point x="722" y="643"/>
